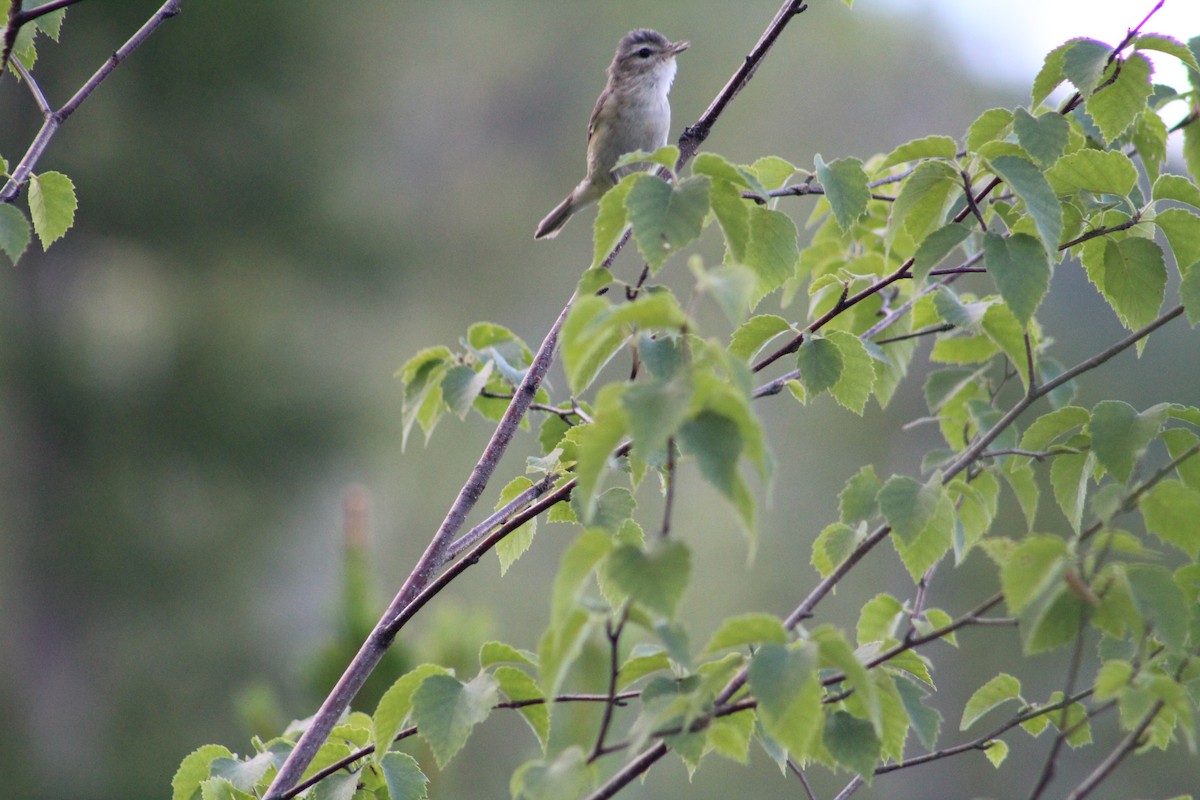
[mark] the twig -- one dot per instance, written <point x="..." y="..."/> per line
<point x="520" y="501"/>
<point x="53" y="119"/>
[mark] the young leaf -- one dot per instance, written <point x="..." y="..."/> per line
<point x="997" y="691"/>
<point x="1176" y="187"/>
<point x="1170" y="510"/>
<point x="1096" y="171"/>
<point x="1049" y="76"/>
<point x="935" y="247"/>
<point x="1182" y="229"/>
<point x="755" y="332"/>
<point x="1069" y="475"/>
<point x="14" y="232"/>
<point x="991" y="125"/>
<point x="772" y="252"/>
<point x="858" y="500"/>
<point x="1029" y="184"/>
<point x="1116" y="105"/>
<point x="564" y="778"/>
<point x="832" y="546"/>
<point x="716" y="442"/>
<point x="878" y="619"/>
<point x="852" y="742"/>
<point x="666" y="218"/>
<point x="784" y="682"/>
<point x="446" y="710"/>
<point x="747" y="629"/>
<point x="1189" y="293"/>
<point x="1120" y="434"/>
<point x="403" y="776"/>
<point x="517" y="686"/>
<point x="655" y="411"/>
<point x="195" y="767"/>
<point x="511" y="547"/>
<point x="595" y="442"/>
<point x="927" y="147"/>
<point x="654" y="577"/>
<point x="772" y="171"/>
<point x="926" y="722"/>
<point x="1035" y="564"/>
<point x="396" y="704"/>
<point x="1044" y="137"/>
<point x="1021" y="270"/>
<point x="461" y="385"/>
<point x="857" y="378"/>
<point x="820" y="362"/>
<point x="845" y="186"/>
<point x="52" y="205"/>
<point x="611" y="219"/>
<point x="1084" y="62"/>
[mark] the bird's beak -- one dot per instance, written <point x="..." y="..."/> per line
<point x="675" y="48"/>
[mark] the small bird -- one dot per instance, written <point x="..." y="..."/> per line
<point x="632" y="113"/>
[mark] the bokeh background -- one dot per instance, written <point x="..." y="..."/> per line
<point x="279" y="204"/>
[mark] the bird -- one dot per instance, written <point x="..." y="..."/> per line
<point x="632" y="113"/>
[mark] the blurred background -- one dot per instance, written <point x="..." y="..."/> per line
<point x="278" y="205"/>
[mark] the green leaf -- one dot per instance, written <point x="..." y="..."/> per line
<point x="1163" y="605"/>
<point x="772" y="252"/>
<point x="666" y="157"/>
<point x="195" y="767"/>
<point x="772" y="171"/>
<point x="732" y="212"/>
<point x="878" y="619"/>
<point x="832" y="546"/>
<point x="1135" y="280"/>
<point x="1034" y="565"/>
<point x="1168" y="45"/>
<point x="991" y="125"/>
<point x="783" y="681"/>
<point x="446" y="710"/>
<point x="52" y="206"/>
<point x="716" y="442"/>
<point x="996" y="752"/>
<point x="595" y="330"/>
<point x="922" y="519"/>
<point x="1023" y="483"/>
<point x="393" y="708"/>
<point x="926" y="721"/>
<point x="576" y="567"/>
<point x="994" y="693"/>
<point x="858" y="500"/>
<point x="1069" y="475"/>
<point x="1176" y="187"/>
<point x="1096" y="171"/>
<point x="221" y="789"/>
<point x="1044" y="137"/>
<point x="462" y="384"/>
<point x="1116" y="105"/>
<point x="920" y="206"/>
<point x="747" y="629"/>
<point x="1021" y="270"/>
<point x="755" y="332"/>
<point x="935" y="247"/>
<point x="1049" y="76"/>
<point x="926" y="147"/>
<point x="655" y="577"/>
<point x="1050" y="426"/>
<point x="1029" y="184"/>
<point x="512" y="546"/>
<point x="1084" y="62"/>
<point x="845" y="185"/>
<point x="1150" y="140"/>
<point x="492" y="653"/>
<point x="1170" y="510"/>
<point x="14" y="232"/>
<point x="655" y="411"/>
<point x="518" y="686"/>
<point x="730" y="736"/>
<point x="853" y="386"/>
<point x="595" y="442"/>
<point x="1189" y="293"/>
<point x="1191" y="150"/>
<point x="852" y="742"/>
<point x="564" y="778"/>
<point x="403" y="776"/>
<point x="821" y="363"/>
<point x="1120" y="434"/>
<point x="611" y="219"/>
<point x="1182" y="229"/>
<point x="665" y="218"/>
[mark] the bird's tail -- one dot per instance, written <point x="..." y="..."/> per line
<point x="585" y="193"/>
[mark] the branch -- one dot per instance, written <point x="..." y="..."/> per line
<point x="54" y="119"/>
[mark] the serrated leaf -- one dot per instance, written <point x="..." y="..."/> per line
<point x="396" y="704"/>
<point x="732" y="213"/>
<point x="1029" y="184"/>
<point x="52" y="206"/>
<point x="755" y="332"/>
<point x="926" y="722"/>
<point x="1114" y="106"/>
<point x="1019" y="265"/>
<point x="858" y="500"/>
<point x="852" y="742"/>
<point x="15" y="232"/>
<point x="1050" y="75"/>
<point x="517" y="686"/>
<point x="221" y="789"/>
<point x="820" y="363"/>
<point x="664" y="218"/>
<point x="1176" y="187"/>
<point x="920" y="207"/>
<point x="772" y="252"/>
<point x="462" y="384"/>
<point x="995" y="692"/>
<point x="1189" y="293"/>
<point x="1034" y="564"/>
<point x="1096" y="171"/>
<point x="996" y="752"/>
<point x="1070" y="474"/>
<point x="845" y="185"/>
<point x="772" y="171"/>
<point x="1168" y="45"/>
<point x="717" y="443"/>
<point x="655" y="411"/>
<point x="832" y="546"/>
<point x="577" y="565"/>
<point x="1150" y="140"/>
<point x="730" y="735"/>
<point x="878" y="619"/>
<point x="1050" y="426"/>
<point x="195" y="768"/>
<point x="403" y="776"/>
<point x="1170" y="510"/>
<point x="514" y="545"/>
<point x="611" y="219"/>
<point x="926" y="147"/>
<point x="1044" y="137"/>
<point x="857" y="378"/>
<point x="1120" y="434"/>
<point x="747" y="629"/>
<point x="564" y="778"/>
<point x="935" y="247"/>
<point x="1083" y="63"/>
<point x="1182" y="229"/>
<point x="783" y="681"/>
<point x="654" y="577"/>
<point x="665" y="157"/>
<point x="1162" y="604"/>
<point x="989" y="126"/>
<point x="447" y="710"/>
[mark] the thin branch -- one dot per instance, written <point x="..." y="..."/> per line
<point x="799" y="773"/>
<point x="1131" y="500"/>
<point x="614" y="670"/>
<point x="1092" y="234"/>
<point x="669" y="500"/>
<point x="502" y="515"/>
<point x="38" y="97"/>
<point x="932" y="329"/>
<point x="37" y="147"/>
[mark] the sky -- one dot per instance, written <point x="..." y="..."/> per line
<point x="1031" y="28"/>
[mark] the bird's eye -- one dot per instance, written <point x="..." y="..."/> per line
<point x="645" y="52"/>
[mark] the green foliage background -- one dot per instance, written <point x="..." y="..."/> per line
<point x="277" y="207"/>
